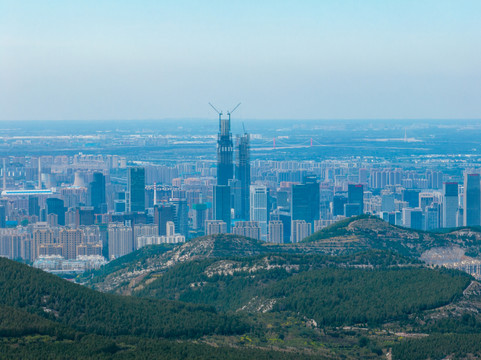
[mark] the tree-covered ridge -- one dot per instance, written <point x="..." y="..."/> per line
<point x="439" y="346"/>
<point x="372" y="287"/>
<point x="129" y="348"/>
<point x="15" y="322"/>
<point x="29" y="336"/>
<point x="125" y="270"/>
<point x="90" y="311"/>
<point x="350" y="236"/>
<point x="43" y="316"/>
<point x="368" y="231"/>
<point x="335" y="297"/>
<point x="230" y="283"/>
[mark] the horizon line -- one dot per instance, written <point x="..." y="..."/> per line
<point x="244" y="119"/>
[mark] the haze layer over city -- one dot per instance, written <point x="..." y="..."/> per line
<point x="265" y="180"/>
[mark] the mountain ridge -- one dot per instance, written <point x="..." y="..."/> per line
<point x="352" y="235"/>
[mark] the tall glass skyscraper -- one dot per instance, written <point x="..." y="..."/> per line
<point x="163" y="213"/>
<point x="355" y="200"/>
<point x="181" y="219"/>
<point x="472" y="200"/>
<point x="450" y="204"/>
<point x="97" y="193"/>
<point x="56" y="206"/>
<point x="306" y="200"/>
<point x="136" y="189"/>
<point x="258" y="207"/>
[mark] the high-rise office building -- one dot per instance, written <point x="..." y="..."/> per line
<point x="85" y="215"/>
<point x="97" y="193"/>
<point x="243" y="175"/>
<point x="222" y="205"/>
<point x="56" y="206"/>
<point x="338" y="203"/>
<point x="163" y="214"/>
<point x="432" y="217"/>
<point x="258" y="207"/>
<point x="181" y="219"/>
<point x="3" y="217"/>
<point x="411" y="197"/>
<point x="450" y="204"/>
<point x="33" y="207"/>
<point x="199" y="216"/>
<point x="387" y="202"/>
<point x="355" y="198"/>
<point x="413" y="218"/>
<point x="425" y="199"/>
<point x="305" y="201"/>
<point x="472" y="200"/>
<point x="135" y="189"/>
<point x="351" y="210"/>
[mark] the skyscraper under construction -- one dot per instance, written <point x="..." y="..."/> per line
<point x="243" y="175"/>
<point x="225" y="170"/>
<point x="225" y="166"/>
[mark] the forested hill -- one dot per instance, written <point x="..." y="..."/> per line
<point x="83" y="309"/>
<point x="127" y="271"/>
<point x="30" y="337"/>
<point x="370" y="232"/>
<point x="354" y="235"/>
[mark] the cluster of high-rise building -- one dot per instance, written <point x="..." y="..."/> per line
<point x="66" y="208"/>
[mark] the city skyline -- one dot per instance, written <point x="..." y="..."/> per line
<point x="336" y="214"/>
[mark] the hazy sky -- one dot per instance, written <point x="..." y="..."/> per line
<point x="282" y="59"/>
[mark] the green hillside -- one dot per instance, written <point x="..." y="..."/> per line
<point x="230" y="283"/>
<point x="351" y="236"/>
<point x="335" y="297"/>
<point x="440" y="346"/>
<point x="27" y="336"/>
<point x="15" y="322"/>
<point x="45" y="317"/>
<point x="277" y="306"/>
<point x="370" y="232"/>
<point x="86" y="310"/>
<point x="332" y="290"/>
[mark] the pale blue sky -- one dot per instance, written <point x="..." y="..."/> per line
<point x="282" y="59"/>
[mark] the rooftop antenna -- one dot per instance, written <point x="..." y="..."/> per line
<point x="244" y="128"/>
